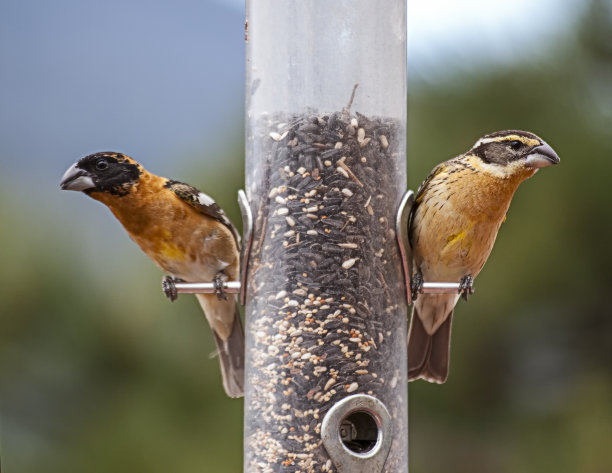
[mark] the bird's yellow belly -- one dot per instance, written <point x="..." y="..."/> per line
<point x="455" y="224"/>
<point x="189" y="256"/>
<point x="452" y="244"/>
<point x="468" y="249"/>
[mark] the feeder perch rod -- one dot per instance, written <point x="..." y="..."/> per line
<point x="233" y="287"/>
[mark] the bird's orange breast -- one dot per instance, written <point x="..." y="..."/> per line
<point x="457" y="220"/>
<point x="178" y="238"/>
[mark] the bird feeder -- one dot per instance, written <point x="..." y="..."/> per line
<point x="325" y="294"/>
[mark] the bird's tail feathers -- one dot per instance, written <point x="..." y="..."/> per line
<point x="231" y="358"/>
<point x="224" y="319"/>
<point x="428" y="355"/>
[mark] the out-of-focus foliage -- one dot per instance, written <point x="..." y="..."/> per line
<point x="99" y="372"/>
<point x="530" y="388"/>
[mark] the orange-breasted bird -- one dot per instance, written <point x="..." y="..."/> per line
<point x="455" y="219"/>
<point x="183" y="231"/>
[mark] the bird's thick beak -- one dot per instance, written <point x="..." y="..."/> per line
<point x="542" y="156"/>
<point x="76" y="179"/>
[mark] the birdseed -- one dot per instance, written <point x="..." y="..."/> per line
<point x="326" y="312"/>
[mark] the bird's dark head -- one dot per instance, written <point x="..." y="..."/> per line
<point x="514" y="149"/>
<point x="108" y="172"/>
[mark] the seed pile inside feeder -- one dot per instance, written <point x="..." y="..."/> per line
<point x="327" y="309"/>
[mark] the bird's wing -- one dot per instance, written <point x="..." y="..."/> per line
<point x="425" y="184"/>
<point x="203" y="203"/>
<point x="424" y="187"/>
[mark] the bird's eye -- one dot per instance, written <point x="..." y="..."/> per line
<point x="516" y="145"/>
<point x="101" y="164"/>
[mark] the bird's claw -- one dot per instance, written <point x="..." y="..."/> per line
<point x="169" y="287"/>
<point x="219" y="282"/>
<point x="465" y="286"/>
<point x="416" y="285"/>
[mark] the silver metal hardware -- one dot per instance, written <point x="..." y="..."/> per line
<point x="247" y="241"/>
<point x="402" y="222"/>
<point x="172" y="287"/>
<point x="357" y="434"/>
<point x="440" y="288"/>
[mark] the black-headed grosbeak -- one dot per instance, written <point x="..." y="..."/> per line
<point x="182" y="230"/>
<point x="455" y="219"/>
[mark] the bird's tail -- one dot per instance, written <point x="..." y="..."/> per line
<point x="231" y="348"/>
<point x="428" y="355"/>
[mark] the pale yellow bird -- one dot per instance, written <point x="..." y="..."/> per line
<point x="457" y="213"/>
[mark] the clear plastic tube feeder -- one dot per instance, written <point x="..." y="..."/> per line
<point x="326" y="307"/>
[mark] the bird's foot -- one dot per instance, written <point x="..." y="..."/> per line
<point x="169" y="287"/>
<point x="219" y="283"/>
<point x="416" y="285"/>
<point x="465" y="286"/>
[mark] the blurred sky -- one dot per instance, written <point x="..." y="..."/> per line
<point x="159" y="79"/>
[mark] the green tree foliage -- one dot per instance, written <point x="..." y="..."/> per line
<point x="100" y="373"/>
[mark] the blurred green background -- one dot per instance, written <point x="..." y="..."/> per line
<point x="99" y="372"/>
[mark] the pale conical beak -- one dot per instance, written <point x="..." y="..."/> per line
<point x="542" y="156"/>
<point x="76" y="179"/>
